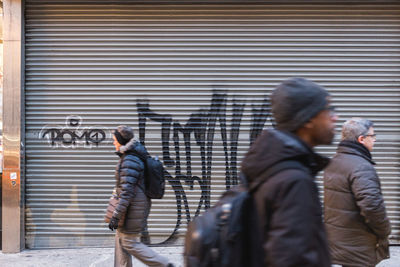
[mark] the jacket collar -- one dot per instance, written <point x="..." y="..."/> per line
<point x="127" y="146"/>
<point x="123" y="149"/>
<point x="133" y="146"/>
<point x="311" y="159"/>
<point x="355" y="148"/>
<point x="275" y="146"/>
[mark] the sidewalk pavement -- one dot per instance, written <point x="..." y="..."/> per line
<point x="104" y="257"/>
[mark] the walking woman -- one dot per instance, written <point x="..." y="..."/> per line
<point x="133" y="203"/>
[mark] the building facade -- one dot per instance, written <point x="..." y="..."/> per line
<point x="1" y="101"/>
<point x="193" y="79"/>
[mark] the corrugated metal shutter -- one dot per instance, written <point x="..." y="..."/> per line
<point x="193" y="66"/>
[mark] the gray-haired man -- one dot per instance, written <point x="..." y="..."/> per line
<point x="355" y="214"/>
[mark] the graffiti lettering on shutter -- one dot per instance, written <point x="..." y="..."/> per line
<point x="200" y="130"/>
<point x="72" y="135"/>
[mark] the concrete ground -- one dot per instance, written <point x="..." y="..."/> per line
<point x="103" y="257"/>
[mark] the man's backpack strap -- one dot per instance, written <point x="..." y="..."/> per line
<point x="269" y="172"/>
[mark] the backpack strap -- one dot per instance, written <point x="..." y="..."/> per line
<point x="145" y="166"/>
<point x="137" y="155"/>
<point x="269" y="172"/>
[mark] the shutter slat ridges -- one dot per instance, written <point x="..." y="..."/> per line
<point x="95" y="59"/>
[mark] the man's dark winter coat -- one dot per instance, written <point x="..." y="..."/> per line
<point x="129" y="177"/>
<point x="288" y="202"/>
<point x="355" y="214"/>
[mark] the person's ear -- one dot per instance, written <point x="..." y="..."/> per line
<point x="361" y="139"/>
<point x="309" y="124"/>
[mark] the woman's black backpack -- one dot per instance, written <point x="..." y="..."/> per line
<point x="154" y="179"/>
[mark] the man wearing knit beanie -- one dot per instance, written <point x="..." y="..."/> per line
<point x="295" y="101"/>
<point x="281" y="167"/>
<point x="298" y="101"/>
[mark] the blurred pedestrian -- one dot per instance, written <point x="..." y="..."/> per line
<point x="354" y="210"/>
<point x="287" y="202"/>
<point x="133" y="203"/>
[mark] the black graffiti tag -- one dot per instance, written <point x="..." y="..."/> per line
<point x="68" y="137"/>
<point x="202" y="124"/>
<point x="71" y="135"/>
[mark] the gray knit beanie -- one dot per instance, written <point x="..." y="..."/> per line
<point x="123" y="134"/>
<point x="295" y="101"/>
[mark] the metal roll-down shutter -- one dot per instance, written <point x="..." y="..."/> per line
<point x="193" y="81"/>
